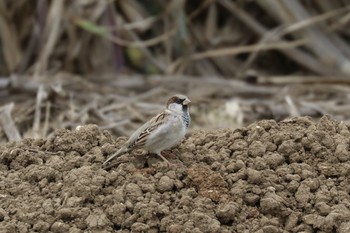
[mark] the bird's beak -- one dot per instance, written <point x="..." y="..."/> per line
<point x="186" y="102"/>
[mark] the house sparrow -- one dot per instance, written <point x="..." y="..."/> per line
<point x="161" y="132"/>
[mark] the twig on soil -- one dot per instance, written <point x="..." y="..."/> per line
<point x="41" y="96"/>
<point x="293" y="111"/>
<point x="46" y="152"/>
<point x="47" y="118"/>
<point x="8" y="124"/>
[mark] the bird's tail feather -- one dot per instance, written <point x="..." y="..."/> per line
<point x="120" y="152"/>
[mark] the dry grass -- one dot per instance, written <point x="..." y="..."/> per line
<point x="295" y="53"/>
<point x="35" y="108"/>
<point x="222" y="37"/>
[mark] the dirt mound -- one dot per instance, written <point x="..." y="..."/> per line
<point x="268" y="177"/>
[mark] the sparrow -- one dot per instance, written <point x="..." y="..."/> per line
<point x="161" y="132"/>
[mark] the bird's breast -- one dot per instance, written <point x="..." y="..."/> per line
<point x="167" y="135"/>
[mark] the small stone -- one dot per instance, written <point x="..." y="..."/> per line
<point x="271" y="203"/>
<point x="59" y="227"/>
<point x="292" y="221"/>
<point x="139" y="227"/>
<point x="254" y="176"/>
<point x="322" y="208"/>
<point x="274" y="159"/>
<point x="165" y="184"/>
<point x="270" y="229"/>
<point x="97" y="219"/>
<point x="303" y="194"/>
<point x="227" y="212"/>
<point x="257" y="148"/>
<point x="342" y="152"/>
<point x="133" y="191"/>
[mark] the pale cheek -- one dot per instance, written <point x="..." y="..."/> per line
<point x="175" y="107"/>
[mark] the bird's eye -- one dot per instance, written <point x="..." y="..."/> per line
<point x="179" y="101"/>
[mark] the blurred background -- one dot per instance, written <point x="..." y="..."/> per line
<point x="114" y="63"/>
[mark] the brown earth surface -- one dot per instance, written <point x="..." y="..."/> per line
<point x="290" y="176"/>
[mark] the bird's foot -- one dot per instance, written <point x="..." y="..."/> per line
<point x="167" y="162"/>
<point x="168" y="154"/>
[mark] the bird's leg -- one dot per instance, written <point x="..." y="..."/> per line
<point x="169" y="164"/>
<point x="167" y="154"/>
<point x="164" y="159"/>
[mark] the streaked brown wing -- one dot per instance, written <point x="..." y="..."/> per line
<point x="155" y="122"/>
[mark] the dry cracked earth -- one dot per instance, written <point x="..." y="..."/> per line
<point x="290" y="176"/>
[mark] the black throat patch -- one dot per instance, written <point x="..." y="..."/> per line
<point x="186" y="116"/>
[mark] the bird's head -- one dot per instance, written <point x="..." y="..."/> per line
<point x="178" y="103"/>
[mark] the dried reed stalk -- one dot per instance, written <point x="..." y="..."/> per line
<point x="94" y="36"/>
